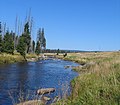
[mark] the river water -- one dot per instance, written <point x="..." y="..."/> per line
<point x="19" y="81"/>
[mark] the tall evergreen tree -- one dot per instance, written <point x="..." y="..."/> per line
<point x="0" y="37"/>
<point x="21" y="47"/>
<point x="0" y="28"/>
<point x="27" y="36"/>
<point x="39" y="34"/>
<point x="38" y="48"/>
<point x="58" y="51"/>
<point x="44" y="43"/>
<point x="33" y="46"/>
<point x="41" y="39"/>
<point x="8" y="44"/>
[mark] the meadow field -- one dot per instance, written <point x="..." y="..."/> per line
<point x="98" y="82"/>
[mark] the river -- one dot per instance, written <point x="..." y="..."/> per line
<point x="21" y="80"/>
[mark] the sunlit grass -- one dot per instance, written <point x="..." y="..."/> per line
<point x="99" y="84"/>
<point x="8" y="58"/>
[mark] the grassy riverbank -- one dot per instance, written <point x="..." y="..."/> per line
<point x="99" y="79"/>
<point x="8" y="58"/>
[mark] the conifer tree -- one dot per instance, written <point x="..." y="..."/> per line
<point x="21" y="47"/>
<point x="58" y="51"/>
<point x="38" y="48"/>
<point x="44" y="43"/>
<point x="0" y="28"/>
<point x="27" y="36"/>
<point x="8" y="44"/>
<point x="0" y="37"/>
<point x="33" y="46"/>
<point x="41" y="39"/>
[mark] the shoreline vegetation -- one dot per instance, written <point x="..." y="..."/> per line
<point x="9" y="58"/>
<point x="98" y="82"/>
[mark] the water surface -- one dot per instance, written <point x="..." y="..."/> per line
<point x="23" y="79"/>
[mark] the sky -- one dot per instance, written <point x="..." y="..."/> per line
<point x="69" y="24"/>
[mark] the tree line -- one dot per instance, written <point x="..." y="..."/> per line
<point x="11" y="42"/>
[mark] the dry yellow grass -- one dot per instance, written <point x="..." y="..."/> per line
<point x="8" y="58"/>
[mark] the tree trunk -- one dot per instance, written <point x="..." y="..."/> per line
<point x="25" y="58"/>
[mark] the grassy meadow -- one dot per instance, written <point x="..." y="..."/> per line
<point x="8" y="58"/>
<point x="98" y="82"/>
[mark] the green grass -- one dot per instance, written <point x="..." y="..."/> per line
<point x="100" y="82"/>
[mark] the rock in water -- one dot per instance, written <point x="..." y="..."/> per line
<point x="45" y="91"/>
<point x="31" y="102"/>
<point x="44" y="98"/>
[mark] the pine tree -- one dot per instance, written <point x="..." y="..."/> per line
<point x="8" y="44"/>
<point x="27" y="36"/>
<point x="44" y="43"/>
<point x="21" y="47"/>
<point x="39" y="35"/>
<point x="58" y="51"/>
<point x="0" y="37"/>
<point x="41" y="39"/>
<point x="33" y="46"/>
<point x="0" y="28"/>
<point x="38" y="48"/>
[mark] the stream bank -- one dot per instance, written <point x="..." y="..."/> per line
<point x="98" y="81"/>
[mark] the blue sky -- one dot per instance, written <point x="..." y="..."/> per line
<point x="69" y="24"/>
